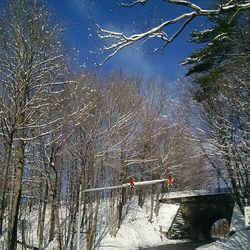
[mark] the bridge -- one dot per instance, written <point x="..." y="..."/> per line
<point x="199" y="210"/>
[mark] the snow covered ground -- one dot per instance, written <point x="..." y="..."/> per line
<point x="137" y="232"/>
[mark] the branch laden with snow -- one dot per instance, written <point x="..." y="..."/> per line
<point x="119" y="40"/>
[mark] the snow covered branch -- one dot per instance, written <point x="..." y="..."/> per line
<point x="142" y="2"/>
<point x="119" y="40"/>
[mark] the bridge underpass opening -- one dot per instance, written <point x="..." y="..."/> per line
<point x="220" y="229"/>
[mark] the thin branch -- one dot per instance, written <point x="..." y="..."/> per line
<point x="186" y="3"/>
<point x="142" y="2"/>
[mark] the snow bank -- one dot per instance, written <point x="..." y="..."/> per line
<point x="137" y="232"/>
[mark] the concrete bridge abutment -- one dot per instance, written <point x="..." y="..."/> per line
<point x="201" y="212"/>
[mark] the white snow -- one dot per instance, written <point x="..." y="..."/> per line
<point x="137" y="232"/>
<point x="191" y="193"/>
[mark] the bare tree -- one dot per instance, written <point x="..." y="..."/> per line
<point x="124" y="104"/>
<point x="226" y="113"/>
<point x="29" y="64"/>
<point x="81" y="147"/>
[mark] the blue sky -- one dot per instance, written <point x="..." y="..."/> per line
<point x="79" y="18"/>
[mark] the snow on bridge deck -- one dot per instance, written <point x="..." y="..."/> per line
<point x="192" y="193"/>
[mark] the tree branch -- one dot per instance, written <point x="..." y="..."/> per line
<point x="119" y="40"/>
<point x="142" y="2"/>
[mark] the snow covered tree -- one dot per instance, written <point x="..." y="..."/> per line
<point x="221" y="87"/>
<point x="30" y="63"/>
<point x="83" y="147"/>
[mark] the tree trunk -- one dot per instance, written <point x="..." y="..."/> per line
<point x="151" y="208"/>
<point x="93" y="229"/>
<point x="121" y="204"/>
<point x="55" y="195"/>
<point x="3" y="182"/>
<point x="157" y="202"/>
<point x="57" y="219"/>
<point x="41" y="222"/>
<point x="57" y="230"/>
<point x="52" y="219"/>
<point x="16" y="196"/>
<point x="69" y="231"/>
